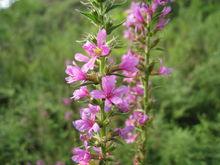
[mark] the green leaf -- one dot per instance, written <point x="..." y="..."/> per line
<point x="116" y="140"/>
<point x="113" y="27"/>
<point x="114" y="5"/>
<point x="159" y="49"/>
<point x="92" y="16"/>
<point x="120" y="75"/>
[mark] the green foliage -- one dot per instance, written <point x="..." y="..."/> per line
<point x="36" y="39"/>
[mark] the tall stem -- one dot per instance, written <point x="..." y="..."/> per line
<point x="103" y="116"/>
<point x="145" y="80"/>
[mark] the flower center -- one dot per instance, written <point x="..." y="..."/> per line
<point x="98" y="51"/>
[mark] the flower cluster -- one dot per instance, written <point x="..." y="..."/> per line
<point x="141" y="15"/>
<point x="97" y="77"/>
<point x="103" y="96"/>
<point x="144" y="21"/>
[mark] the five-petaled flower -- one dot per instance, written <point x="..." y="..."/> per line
<point x="129" y="62"/>
<point x="87" y="123"/>
<point x="100" y="49"/>
<point x="109" y="92"/>
<point x="127" y="133"/>
<point x="81" y="156"/>
<point x="80" y="93"/>
<point x="75" y="74"/>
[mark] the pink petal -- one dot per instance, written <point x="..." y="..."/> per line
<point x="95" y="127"/>
<point x="108" y="105"/>
<point x="89" y="47"/>
<point x="105" y="50"/>
<point x="80" y="93"/>
<point x="81" y="58"/>
<point x="70" y="80"/>
<point x="138" y="14"/>
<point x="166" y="11"/>
<point x="89" y="65"/>
<point x="124" y="106"/>
<point x="94" y="109"/>
<point x="116" y="100"/>
<point x="97" y="94"/>
<point x="82" y="125"/>
<point x="129" y="62"/>
<point x="121" y="90"/>
<point x="101" y="37"/>
<point x="108" y="84"/>
<point x="70" y="70"/>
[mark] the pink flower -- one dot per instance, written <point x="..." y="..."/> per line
<point x="127" y="134"/>
<point x="165" y="71"/>
<point x="133" y="94"/>
<point x="90" y="112"/>
<point x="124" y="105"/>
<point x="74" y="74"/>
<point x="138" y="89"/>
<point x="94" y="50"/>
<point x="67" y="101"/>
<point x="81" y="156"/>
<point x="60" y="163"/>
<point x="80" y="93"/>
<point x="68" y="115"/>
<point x="138" y="14"/>
<point x="109" y="92"/>
<point x="129" y="62"/>
<point x="129" y="34"/>
<point x="162" y="2"/>
<point x="137" y="118"/>
<point x="129" y="76"/>
<point x="87" y="122"/>
<point x="162" y="23"/>
<point x="40" y="162"/>
<point x="166" y="11"/>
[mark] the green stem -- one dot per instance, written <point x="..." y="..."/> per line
<point x="102" y="66"/>
<point x="103" y="115"/>
<point x="142" y="147"/>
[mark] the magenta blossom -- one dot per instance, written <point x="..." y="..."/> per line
<point x="138" y="15"/>
<point x="162" y="23"/>
<point x="59" y="163"/>
<point x="165" y="71"/>
<point x="80" y="93"/>
<point x="87" y="122"/>
<point x="134" y="93"/>
<point x="127" y="134"/>
<point x="128" y="34"/>
<point x="81" y="156"/>
<point x="40" y="162"/>
<point x="94" y="50"/>
<point x="129" y="76"/>
<point x="129" y="62"/>
<point x="75" y="74"/>
<point x="138" y="89"/>
<point x="137" y="118"/>
<point x="68" y="115"/>
<point x="67" y="101"/>
<point x="124" y="105"/>
<point x="109" y="92"/>
<point x="162" y="2"/>
<point x="166" y="11"/>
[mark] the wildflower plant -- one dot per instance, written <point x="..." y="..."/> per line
<point x="112" y="90"/>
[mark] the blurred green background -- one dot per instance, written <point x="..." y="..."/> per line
<point x="37" y="38"/>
